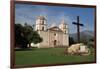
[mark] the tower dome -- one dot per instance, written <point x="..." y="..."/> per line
<point x="63" y="24"/>
<point x="41" y="20"/>
<point x="41" y="17"/>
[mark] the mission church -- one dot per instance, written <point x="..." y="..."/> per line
<point x="53" y="36"/>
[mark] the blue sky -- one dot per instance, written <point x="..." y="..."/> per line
<point x="55" y="14"/>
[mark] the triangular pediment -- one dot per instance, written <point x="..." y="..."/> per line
<point x="55" y="28"/>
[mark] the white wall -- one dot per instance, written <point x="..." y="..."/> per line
<point x="5" y="34"/>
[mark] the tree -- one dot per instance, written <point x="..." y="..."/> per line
<point x="25" y="35"/>
<point x="91" y="42"/>
<point x="19" y="36"/>
<point x="91" y="39"/>
<point x="71" y="41"/>
<point x="30" y="35"/>
<point x="84" y="40"/>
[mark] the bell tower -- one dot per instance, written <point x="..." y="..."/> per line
<point x="40" y="23"/>
<point x="63" y="26"/>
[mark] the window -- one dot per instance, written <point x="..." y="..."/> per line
<point x="54" y="34"/>
<point x="42" y="28"/>
<point x="65" y="32"/>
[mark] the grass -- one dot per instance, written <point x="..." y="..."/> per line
<point x="48" y="56"/>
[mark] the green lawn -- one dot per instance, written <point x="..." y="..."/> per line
<point x="48" y="56"/>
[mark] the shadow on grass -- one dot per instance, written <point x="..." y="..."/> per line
<point x="25" y="49"/>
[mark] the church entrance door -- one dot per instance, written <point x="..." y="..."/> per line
<point x="55" y="42"/>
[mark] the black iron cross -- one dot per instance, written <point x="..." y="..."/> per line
<point x="78" y="28"/>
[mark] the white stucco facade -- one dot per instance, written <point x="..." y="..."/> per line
<point x="53" y="36"/>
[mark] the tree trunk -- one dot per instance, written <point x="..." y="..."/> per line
<point x="29" y="45"/>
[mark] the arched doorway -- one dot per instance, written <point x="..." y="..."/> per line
<point x="55" y="42"/>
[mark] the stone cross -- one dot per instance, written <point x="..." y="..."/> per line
<point x="78" y="28"/>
